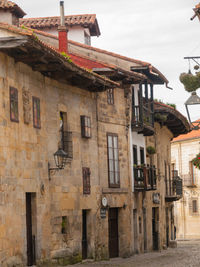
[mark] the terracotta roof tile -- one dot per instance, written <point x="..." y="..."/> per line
<point x="194" y="134"/>
<point x="108" y="53"/>
<point x="176" y="122"/>
<point x="31" y="34"/>
<point x="86" y="20"/>
<point x="143" y="63"/>
<point x="14" y="8"/>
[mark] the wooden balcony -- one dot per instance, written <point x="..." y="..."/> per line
<point x="174" y="188"/>
<point x="143" y="119"/>
<point x="144" y="178"/>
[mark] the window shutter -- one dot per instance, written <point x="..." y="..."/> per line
<point x="36" y="112"/>
<point x="83" y="126"/>
<point x="14" y="115"/>
<point x="86" y="180"/>
<point x="67" y="143"/>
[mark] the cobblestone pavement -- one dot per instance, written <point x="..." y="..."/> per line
<point x="186" y="254"/>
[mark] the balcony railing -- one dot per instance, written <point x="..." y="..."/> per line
<point x="144" y="178"/>
<point x="189" y="180"/>
<point x="174" y="187"/>
<point x="143" y="118"/>
<point x="66" y="142"/>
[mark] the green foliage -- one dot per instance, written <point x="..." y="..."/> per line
<point x="191" y="82"/>
<point x="160" y="117"/>
<point x="151" y="150"/>
<point x="171" y="105"/>
<point x="196" y="161"/>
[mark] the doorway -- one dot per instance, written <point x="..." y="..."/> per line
<point x="31" y="227"/>
<point x="113" y="232"/>
<point x="145" y="229"/>
<point x="155" y="228"/>
<point x="167" y="226"/>
<point x="135" y="230"/>
<point x="84" y="235"/>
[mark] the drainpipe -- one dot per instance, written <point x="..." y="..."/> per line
<point x="62" y="31"/>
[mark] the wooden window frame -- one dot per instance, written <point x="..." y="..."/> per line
<point x="66" y="139"/>
<point x="194" y="207"/>
<point x="191" y="168"/>
<point x="116" y="184"/>
<point x="86" y="181"/>
<point x="135" y="160"/>
<point x="36" y="112"/>
<point x="14" y="104"/>
<point x="142" y="150"/>
<point x="110" y="96"/>
<point x="86" y="126"/>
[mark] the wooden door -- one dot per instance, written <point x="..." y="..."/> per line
<point x="167" y="226"/>
<point x="135" y="230"/>
<point x="113" y="233"/>
<point x="155" y="228"/>
<point x="145" y="229"/>
<point x="30" y="237"/>
<point x="84" y="234"/>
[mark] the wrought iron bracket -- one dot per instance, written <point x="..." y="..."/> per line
<point x="52" y="171"/>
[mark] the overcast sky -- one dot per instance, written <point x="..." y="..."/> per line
<point x="159" y="32"/>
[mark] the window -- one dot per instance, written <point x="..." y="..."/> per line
<point x="87" y="39"/>
<point x="85" y="126"/>
<point x="110" y="96"/>
<point x="65" y="136"/>
<point x="64" y="225"/>
<point x="135" y="161"/>
<point x="14" y="115"/>
<point x="36" y="112"/>
<point x="113" y="160"/>
<point x="192" y="178"/>
<point x="194" y="206"/>
<point x="86" y="180"/>
<point x="141" y="155"/>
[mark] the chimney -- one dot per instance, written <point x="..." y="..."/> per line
<point x="62" y="31"/>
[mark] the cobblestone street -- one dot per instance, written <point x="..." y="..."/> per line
<point x="186" y="254"/>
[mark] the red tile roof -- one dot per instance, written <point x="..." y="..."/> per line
<point x="11" y="6"/>
<point x="31" y="34"/>
<point x="122" y="57"/>
<point x="176" y="122"/>
<point x="109" y="53"/>
<point x="87" y="63"/>
<point x="86" y="20"/>
<point x="194" y="134"/>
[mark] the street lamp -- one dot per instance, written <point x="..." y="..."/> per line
<point x="194" y="99"/>
<point x="60" y="157"/>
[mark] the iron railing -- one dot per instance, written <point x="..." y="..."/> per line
<point x="144" y="177"/>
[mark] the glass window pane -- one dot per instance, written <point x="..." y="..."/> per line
<point x="111" y="165"/>
<point x="116" y="178"/>
<point x="116" y="154"/>
<point x="116" y="166"/>
<point x="115" y="142"/>
<point x="111" y="176"/>
<point x="110" y="153"/>
<point x="109" y="141"/>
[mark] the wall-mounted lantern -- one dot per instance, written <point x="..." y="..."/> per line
<point x="194" y="99"/>
<point x="60" y="157"/>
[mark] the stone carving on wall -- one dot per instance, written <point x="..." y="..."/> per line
<point x="26" y="105"/>
<point x="128" y="96"/>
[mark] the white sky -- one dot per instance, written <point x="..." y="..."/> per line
<point x="156" y="31"/>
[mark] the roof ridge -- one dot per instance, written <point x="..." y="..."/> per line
<point x="30" y="33"/>
<point x="7" y="4"/>
<point x="58" y="16"/>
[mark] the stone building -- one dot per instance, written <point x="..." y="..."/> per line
<point x="60" y="95"/>
<point x="187" y="213"/>
<point x="156" y="188"/>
